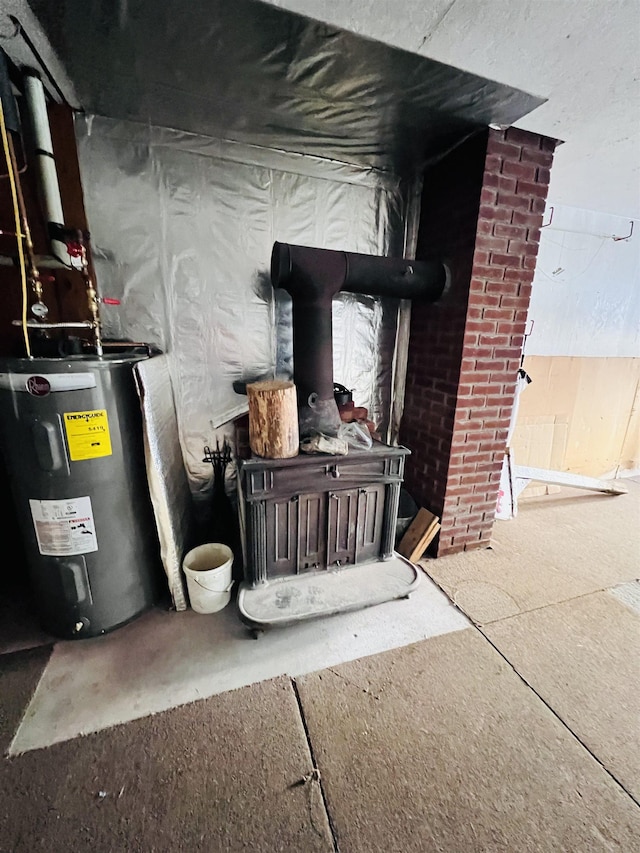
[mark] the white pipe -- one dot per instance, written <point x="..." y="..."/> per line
<point x="37" y="105"/>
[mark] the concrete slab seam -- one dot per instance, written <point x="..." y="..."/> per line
<point x="478" y="628"/>
<point x="476" y="624"/>
<point x="451" y="600"/>
<point x="558" y="717"/>
<point x="540" y="607"/>
<point x="7" y="751"/>
<point x="318" y="776"/>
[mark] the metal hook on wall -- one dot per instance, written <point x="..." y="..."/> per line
<point x="546" y="224"/>
<point x="627" y="236"/>
<point x="527" y="334"/>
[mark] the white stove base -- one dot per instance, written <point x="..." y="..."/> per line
<point x="288" y="600"/>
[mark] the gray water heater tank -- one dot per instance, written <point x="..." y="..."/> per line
<point x="71" y="437"/>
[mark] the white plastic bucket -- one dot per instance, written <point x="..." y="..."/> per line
<point x="209" y="580"/>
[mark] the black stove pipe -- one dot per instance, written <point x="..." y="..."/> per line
<point x="9" y="108"/>
<point x="314" y="276"/>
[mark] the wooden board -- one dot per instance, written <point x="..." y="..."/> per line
<point x="419" y="535"/>
<point x="592" y="407"/>
<point x="567" y="478"/>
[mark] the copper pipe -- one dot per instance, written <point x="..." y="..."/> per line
<point x="34" y="274"/>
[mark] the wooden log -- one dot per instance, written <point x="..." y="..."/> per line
<point x="273" y="419"/>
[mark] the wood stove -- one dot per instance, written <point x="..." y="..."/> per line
<point x="315" y="513"/>
<point x="319" y="530"/>
<point x="319" y="535"/>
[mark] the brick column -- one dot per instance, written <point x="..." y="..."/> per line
<point x="482" y="209"/>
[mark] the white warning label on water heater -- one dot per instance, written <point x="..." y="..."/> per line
<point x="64" y="528"/>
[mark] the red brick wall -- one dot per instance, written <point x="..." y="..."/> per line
<point x="448" y="221"/>
<point x="482" y="210"/>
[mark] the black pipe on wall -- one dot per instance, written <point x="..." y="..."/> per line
<point x="313" y="277"/>
<point x="9" y="107"/>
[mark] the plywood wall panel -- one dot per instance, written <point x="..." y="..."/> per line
<point x="580" y="414"/>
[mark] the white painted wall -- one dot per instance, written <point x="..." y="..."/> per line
<point x="586" y="291"/>
<point x="582" y="55"/>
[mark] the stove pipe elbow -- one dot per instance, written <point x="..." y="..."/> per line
<point x="319" y="274"/>
<point x="313" y="277"/>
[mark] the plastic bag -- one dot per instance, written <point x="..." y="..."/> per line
<point x="319" y="443"/>
<point x="318" y="417"/>
<point x="356" y="435"/>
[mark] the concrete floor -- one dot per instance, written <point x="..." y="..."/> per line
<point x="165" y="659"/>
<point x="506" y="721"/>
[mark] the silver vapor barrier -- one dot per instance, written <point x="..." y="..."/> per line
<point x="210" y="130"/>
<point x="249" y="71"/>
<point x="182" y="229"/>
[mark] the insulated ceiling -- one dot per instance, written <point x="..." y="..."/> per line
<point x="250" y="72"/>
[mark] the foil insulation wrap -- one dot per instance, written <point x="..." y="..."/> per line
<point x="182" y="228"/>
<point x="284" y="129"/>
<point x="249" y="71"/>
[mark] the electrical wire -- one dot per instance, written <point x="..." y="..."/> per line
<point x="578" y="275"/>
<point x="19" y="234"/>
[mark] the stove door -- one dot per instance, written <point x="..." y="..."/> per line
<point x="281" y="537"/>
<point x="312" y="526"/>
<point x="342" y="528"/>
<point x="356" y="518"/>
<point x="370" y="519"/>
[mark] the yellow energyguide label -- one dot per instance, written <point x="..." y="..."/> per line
<point x="87" y="434"/>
